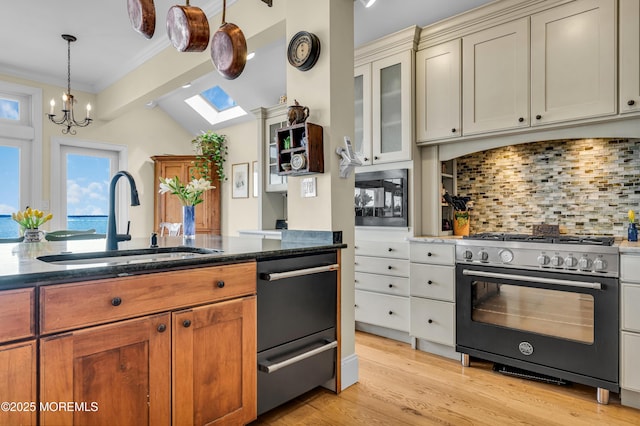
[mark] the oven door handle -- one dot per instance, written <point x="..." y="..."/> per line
<point x="274" y="276"/>
<point x="541" y="280"/>
<point x="270" y="368"/>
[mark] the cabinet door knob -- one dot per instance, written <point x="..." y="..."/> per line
<point x="430" y="321"/>
<point x="453" y="130"/>
<point x="375" y="157"/>
<point x="429" y="282"/>
<point x="389" y="267"/>
<point x="220" y="284"/>
<point x="389" y="249"/>
<point x="429" y="254"/>
<point x="366" y="159"/>
<point x="116" y="301"/>
<point x="390" y="285"/>
<point x="521" y="119"/>
<point x="161" y="328"/>
<point x="631" y="102"/>
<point x="538" y="117"/>
<point x="390" y="312"/>
<point x="186" y="323"/>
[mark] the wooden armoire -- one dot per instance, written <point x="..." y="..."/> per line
<point x="167" y="207"/>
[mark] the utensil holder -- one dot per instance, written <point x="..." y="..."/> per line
<point x="461" y="222"/>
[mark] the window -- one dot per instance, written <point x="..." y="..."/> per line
<point x="80" y="183"/>
<point x="215" y="105"/>
<point x="20" y="153"/>
<point x="10" y="191"/>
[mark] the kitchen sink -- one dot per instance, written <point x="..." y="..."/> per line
<point x="119" y="257"/>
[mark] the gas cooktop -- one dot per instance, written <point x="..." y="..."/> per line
<point x="561" y="239"/>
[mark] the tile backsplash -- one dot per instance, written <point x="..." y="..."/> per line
<point x="586" y="186"/>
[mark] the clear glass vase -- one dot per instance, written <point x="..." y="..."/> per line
<point x="189" y="222"/>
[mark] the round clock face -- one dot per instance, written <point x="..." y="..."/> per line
<point x="304" y="50"/>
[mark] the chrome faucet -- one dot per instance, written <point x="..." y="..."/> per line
<point x="112" y="234"/>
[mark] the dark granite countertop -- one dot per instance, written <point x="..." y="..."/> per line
<point x="20" y="266"/>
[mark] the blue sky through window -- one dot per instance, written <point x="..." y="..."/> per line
<point x="87" y="185"/>
<point x="218" y="98"/>
<point x="9" y="109"/>
<point x="10" y="178"/>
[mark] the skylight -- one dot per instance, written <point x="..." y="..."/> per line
<point x="215" y="105"/>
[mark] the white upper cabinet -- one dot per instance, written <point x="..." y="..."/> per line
<point x="392" y="113"/>
<point x="362" y="113"/>
<point x="495" y="77"/>
<point x="629" y="56"/>
<point x="573" y="61"/>
<point x="438" y="92"/>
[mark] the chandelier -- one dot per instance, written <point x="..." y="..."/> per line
<point x="68" y="120"/>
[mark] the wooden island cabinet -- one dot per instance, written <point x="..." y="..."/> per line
<point x="138" y="351"/>
<point x="167" y="207"/>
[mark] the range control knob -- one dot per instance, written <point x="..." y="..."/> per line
<point x="584" y="263"/>
<point x="570" y="261"/>
<point x="468" y="254"/>
<point x="599" y="264"/>
<point x="543" y="260"/>
<point x="483" y="255"/>
<point x="557" y="261"/>
<point x="506" y="256"/>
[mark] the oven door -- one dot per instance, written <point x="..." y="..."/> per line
<point x="562" y="325"/>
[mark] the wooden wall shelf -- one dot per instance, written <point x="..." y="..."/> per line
<point x="303" y="143"/>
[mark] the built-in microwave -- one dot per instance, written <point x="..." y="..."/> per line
<point x="381" y="198"/>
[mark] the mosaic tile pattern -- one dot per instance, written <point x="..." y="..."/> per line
<point x="586" y="186"/>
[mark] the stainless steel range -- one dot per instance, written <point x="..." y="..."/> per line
<point x="545" y="306"/>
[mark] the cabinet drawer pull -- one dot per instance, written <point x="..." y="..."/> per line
<point x="453" y="130"/>
<point x="274" y="276"/>
<point x="430" y="321"/>
<point x="389" y="267"/>
<point x="429" y="282"/>
<point x="521" y="119"/>
<point x="538" y="117"/>
<point x="390" y="285"/>
<point x="116" y="301"/>
<point x="631" y="102"/>
<point x="220" y="284"/>
<point x="161" y="328"/>
<point x="429" y="254"/>
<point x="375" y="157"/>
<point x="266" y="367"/>
<point x="186" y="323"/>
<point x="390" y="249"/>
<point x="390" y="312"/>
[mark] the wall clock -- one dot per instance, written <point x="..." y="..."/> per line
<point x="304" y="50"/>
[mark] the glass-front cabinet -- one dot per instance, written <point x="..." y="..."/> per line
<point x="362" y="113"/>
<point x="274" y="182"/>
<point x="383" y="92"/>
<point x="391" y="108"/>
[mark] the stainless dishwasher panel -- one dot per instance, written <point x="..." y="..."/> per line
<point x="292" y="369"/>
<point x="296" y="298"/>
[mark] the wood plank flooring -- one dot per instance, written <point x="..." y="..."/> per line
<point x="401" y="386"/>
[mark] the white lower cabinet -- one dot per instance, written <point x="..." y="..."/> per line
<point x="630" y="329"/>
<point x="432" y="297"/>
<point x="382" y="288"/>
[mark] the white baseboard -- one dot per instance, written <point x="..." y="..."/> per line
<point x="350" y="371"/>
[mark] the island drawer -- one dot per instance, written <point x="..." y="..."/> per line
<point x="74" y="305"/>
<point x="17" y="314"/>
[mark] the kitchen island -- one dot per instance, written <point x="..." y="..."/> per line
<point x="142" y="339"/>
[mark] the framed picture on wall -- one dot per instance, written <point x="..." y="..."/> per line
<point x="240" y="180"/>
<point x="255" y="171"/>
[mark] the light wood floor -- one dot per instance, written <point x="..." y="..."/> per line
<point x="400" y="386"/>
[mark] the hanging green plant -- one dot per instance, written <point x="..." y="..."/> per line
<point x="211" y="149"/>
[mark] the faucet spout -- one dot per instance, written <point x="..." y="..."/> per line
<point x="112" y="234"/>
